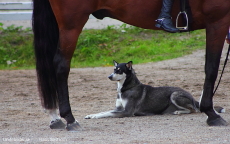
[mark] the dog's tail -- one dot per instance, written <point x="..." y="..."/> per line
<point x="218" y="109"/>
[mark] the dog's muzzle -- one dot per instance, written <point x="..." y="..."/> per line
<point x="110" y="76"/>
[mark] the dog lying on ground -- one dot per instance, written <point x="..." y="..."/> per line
<point x="137" y="99"/>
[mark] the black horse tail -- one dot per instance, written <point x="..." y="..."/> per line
<point x="218" y="109"/>
<point x="46" y="36"/>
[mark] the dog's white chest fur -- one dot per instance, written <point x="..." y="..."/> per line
<point x="120" y="102"/>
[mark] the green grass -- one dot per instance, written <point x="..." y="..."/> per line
<point x="16" y="45"/>
<point x="100" y="47"/>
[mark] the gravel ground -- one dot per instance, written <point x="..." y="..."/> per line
<point x="23" y="120"/>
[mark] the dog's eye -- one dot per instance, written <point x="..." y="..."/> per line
<point x="118" y="71"/>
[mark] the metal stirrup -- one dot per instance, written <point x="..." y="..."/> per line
<point x="185" y="28"/>
<point x="183" y="12"/>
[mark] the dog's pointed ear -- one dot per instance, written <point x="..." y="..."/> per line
<point x="129" y="65"/>
<point x="115" y="63"/>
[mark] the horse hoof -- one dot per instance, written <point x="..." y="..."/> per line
<point x="217" y="122"/>
<point x="57" y="124"/>
<point x="73" y="127"/>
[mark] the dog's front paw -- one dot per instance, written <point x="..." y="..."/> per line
<point x="92" y="116"/>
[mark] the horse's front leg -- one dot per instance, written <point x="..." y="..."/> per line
<point x="215" y="36"/>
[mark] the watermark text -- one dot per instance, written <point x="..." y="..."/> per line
<point x="15" y="139"/>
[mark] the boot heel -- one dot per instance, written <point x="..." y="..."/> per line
<point x="158" y="25"/>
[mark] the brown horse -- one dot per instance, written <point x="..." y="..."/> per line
<point x="57" y="25"/>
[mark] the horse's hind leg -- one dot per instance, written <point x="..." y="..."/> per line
<point x="183" y="101"/>
<point x="216" y="34"/>
<point x="56" y="122"/>
<point x="62" y="60"/>
<point x="69" y="31"/>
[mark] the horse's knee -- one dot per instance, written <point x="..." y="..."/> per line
<point x="211" y="75"/>
<point x="211" y="68"/>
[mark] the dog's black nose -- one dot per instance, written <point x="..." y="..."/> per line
<point x="110" y="77"/>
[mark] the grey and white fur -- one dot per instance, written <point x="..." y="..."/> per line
<point x="137" y="99"/>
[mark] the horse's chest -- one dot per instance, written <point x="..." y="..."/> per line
<point x="215" y="10"/>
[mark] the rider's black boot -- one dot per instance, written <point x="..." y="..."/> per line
<point x="165" y="20"/>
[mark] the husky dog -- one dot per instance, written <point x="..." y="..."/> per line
<point x="137" y="99"/>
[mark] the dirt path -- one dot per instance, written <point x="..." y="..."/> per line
<point x="23" y="120"/>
